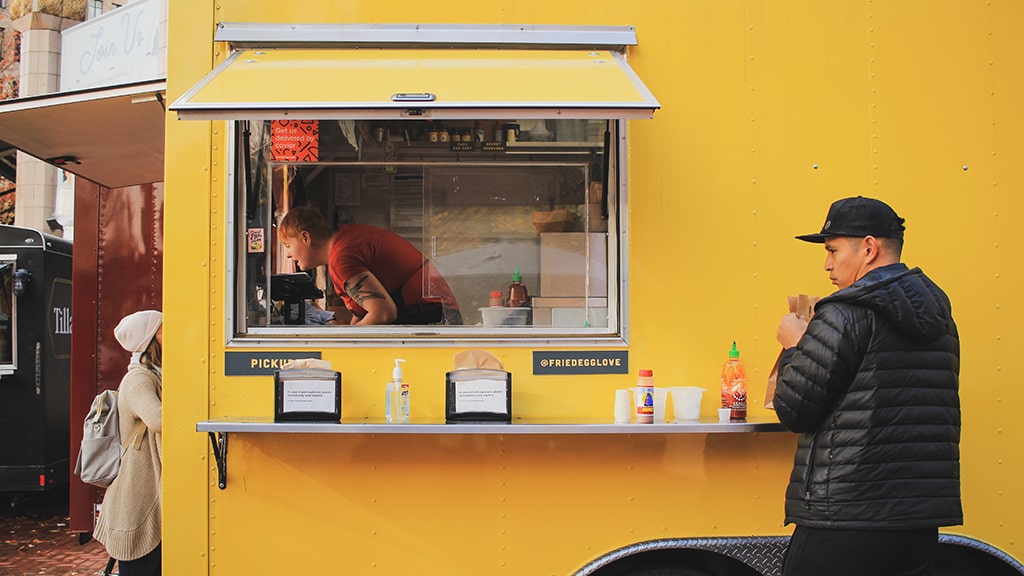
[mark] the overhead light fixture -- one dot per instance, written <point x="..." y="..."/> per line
<point x="154" y="97"/>
<point x="21" y="282"/>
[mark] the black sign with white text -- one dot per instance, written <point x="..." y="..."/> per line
<point x="581" y="362"/>
<point x="260" y="363"/>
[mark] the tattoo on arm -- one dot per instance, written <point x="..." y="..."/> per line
<point x="354" y="288"/>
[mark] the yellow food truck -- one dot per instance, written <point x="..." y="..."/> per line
<point x="638" y="170"/>
<point x="642" y="168"/>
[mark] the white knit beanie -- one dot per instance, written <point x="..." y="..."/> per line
<point x="135" y="331"/>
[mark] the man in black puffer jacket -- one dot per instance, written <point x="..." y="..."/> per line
<point x="871" y="384"/>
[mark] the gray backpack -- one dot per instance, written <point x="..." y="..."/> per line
<point x="99" y="457"/>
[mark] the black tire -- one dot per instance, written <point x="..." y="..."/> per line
<point x="666" y="571"/>
<point x="947" y="571"/>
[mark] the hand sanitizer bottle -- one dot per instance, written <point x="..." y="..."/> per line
<point x="398" y="396"/>
<point x="389" y="406"/>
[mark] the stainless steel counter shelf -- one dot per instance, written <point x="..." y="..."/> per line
<point x="218" y="430"/>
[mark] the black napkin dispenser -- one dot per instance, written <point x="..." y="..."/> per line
<point x="307" y="395"/>
<point x="478" y="395"/>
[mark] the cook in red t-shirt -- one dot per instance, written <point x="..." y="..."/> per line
<point x="420" y="293"/>
<point x="380" y="276"/>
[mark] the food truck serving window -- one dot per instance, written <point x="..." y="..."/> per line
<point x="426" y="194"/>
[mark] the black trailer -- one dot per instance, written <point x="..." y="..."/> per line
<point x="35" y="360"/>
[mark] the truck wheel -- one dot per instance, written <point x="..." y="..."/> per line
<point x="667" y="571"/>
<point x="947" y="571"/>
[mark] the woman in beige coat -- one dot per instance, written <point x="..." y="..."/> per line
<point x="130" y="517"/>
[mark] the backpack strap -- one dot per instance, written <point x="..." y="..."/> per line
<point x="135" y="437"/>
<point x="103" y="407"/>
<point x="138" y="432"/>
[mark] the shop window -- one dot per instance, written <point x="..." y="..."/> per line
<point x="476" y="200"/>
<point x="7" y="307"/>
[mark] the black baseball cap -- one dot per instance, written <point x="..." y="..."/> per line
<point x="858" y="217"/>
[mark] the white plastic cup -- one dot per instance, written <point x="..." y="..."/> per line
<point x="660" y="401"/>
<point x="623" y="406"/>
<point x="724" y="414"/>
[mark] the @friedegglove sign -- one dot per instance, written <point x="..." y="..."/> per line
<point x="581" y="362"/>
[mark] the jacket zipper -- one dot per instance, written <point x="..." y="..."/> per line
<point x="807" y="473"/>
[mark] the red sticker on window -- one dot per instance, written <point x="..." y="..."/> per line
<point x="295" y="140"/>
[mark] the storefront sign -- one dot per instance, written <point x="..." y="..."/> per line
<point x="581" y="362"/>
<point x="295" y="140"/>
<point x="119" y="47"/>
<point x="260" y="363"/>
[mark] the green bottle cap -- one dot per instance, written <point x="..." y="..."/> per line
<point x="734" y="353"/>
<point x="517" y="277"/>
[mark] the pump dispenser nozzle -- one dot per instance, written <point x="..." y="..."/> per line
<point x="394" y="403"/>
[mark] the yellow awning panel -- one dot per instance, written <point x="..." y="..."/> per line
<point x="403" y="83"/>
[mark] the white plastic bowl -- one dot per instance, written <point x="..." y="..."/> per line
<point x="504" y="316"/>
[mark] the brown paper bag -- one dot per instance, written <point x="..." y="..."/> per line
<point x="803" y="306"/>
<point x="769" y="393"/>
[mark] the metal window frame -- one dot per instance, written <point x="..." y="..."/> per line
<point x="241" y="36"/>
<point x="237" y="335"/>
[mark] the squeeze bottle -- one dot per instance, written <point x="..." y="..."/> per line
<point x="645" y="397"/>
<point x="734" y="386"/>
<point x="517" y="295"/>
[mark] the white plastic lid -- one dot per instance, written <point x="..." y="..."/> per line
<point x="396" y="374"/>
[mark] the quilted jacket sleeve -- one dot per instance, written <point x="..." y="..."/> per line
<point x="816" y="373"/>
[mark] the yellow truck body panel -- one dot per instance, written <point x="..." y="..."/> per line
<point x="769" y="112"/>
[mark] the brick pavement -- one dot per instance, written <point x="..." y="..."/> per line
<point x="35" y="539"/>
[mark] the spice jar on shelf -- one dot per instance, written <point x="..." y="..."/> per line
<point x="496" y="299"/>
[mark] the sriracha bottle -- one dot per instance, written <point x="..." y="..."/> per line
<point x="734" y="386"/>
<point x="517" y="295"/>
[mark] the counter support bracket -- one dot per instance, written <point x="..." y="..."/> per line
<point x="220" y="454"/>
